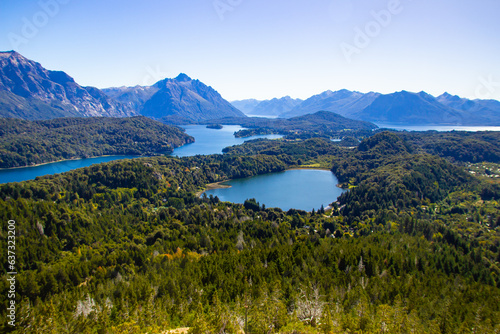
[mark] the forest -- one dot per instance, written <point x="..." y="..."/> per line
<point x="322" y="124"/>
<point x="128" y="246"/>
<point x="26" y="143"/>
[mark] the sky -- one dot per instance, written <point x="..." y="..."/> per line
<point x="265" y="48"/>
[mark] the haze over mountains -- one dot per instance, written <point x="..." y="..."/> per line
<point x="398" y="108"/>
<point x="272" y="108"/>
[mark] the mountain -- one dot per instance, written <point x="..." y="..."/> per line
<point x="179" y="100"/>
<point x="188" y="99"/>
<point x="275" y="107"/>
<point x="342" y="102"/>
<point x="484" y="110"/>
<point x="133" y="97"/>
<point x="246" y="106"/>
<point x="410" y="108"/>
<point x="29" y="91"/>
<point x="402" y="108"/>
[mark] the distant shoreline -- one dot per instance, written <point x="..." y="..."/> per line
<point x="62" y="160"/>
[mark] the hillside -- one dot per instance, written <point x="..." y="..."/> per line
<point x="25" y="143"/>
<point x="320" y="124"/>
<point x="29" y="91"/>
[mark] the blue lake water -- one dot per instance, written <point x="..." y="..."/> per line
<point x="440" y="128"/>
<point x="208" y="141"/>
<point x="212" y="141"/>
<point x="30" y="173"/>
<point x="303" y="189"/>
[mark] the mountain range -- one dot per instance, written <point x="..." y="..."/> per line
<point x="267" y="108"/>
<point x="29" y="91"/>
<point x="396" y="108"/>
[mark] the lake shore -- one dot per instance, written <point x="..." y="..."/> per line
<point x="221" y="185"/>
<point x="211" y="186"/>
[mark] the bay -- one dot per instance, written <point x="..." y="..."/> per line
<point x="212" y="141"/>
<point x="208" y="141"/>
<point x="303" y="189"/>
<point x="30" y="173"/>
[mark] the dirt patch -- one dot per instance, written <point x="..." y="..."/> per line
<point x="210" y="186"/>
<point x="177" y="331"/>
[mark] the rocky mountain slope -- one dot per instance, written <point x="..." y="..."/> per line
<point x="29" y="91"/>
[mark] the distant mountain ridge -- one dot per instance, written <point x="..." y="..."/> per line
<point x="246" y="106"/>
<point x="342" y="102"/>
<point x="413" y="108"/>
<point x="402" y="108"/>
<point x="274" y="107"/>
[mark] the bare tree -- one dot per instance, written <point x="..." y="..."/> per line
<point x="309" y="306"/>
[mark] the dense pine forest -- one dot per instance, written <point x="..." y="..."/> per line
<point x="130" y="247"/>
<point x="26" y="143"/>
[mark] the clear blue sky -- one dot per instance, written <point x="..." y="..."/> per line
<point x="265" y="48"/>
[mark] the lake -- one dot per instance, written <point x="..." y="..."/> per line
<point x="303" y="189"/>
<point x="30" y="173"/>
<point x="208" y="141"/>
<point x="211" y="141"/>
<point x="441" y="128"/>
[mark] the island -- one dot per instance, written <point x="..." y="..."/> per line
<point x="215" y="126"/>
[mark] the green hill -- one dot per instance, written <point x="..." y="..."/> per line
<point x="25" y="143"/>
